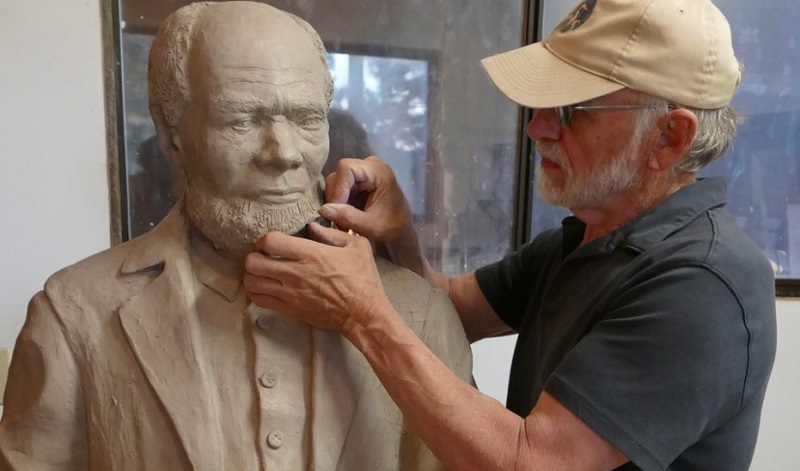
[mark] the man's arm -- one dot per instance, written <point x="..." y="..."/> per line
<point x="337" y="287"/>
<point x="43" y="420"/>
<point x="466" y="429"/>
<point x="478" y="318"/>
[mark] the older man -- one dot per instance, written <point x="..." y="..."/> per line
<point x="646" y="322"/>
<point x="149" y="356"/>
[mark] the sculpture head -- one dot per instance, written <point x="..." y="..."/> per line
<point x="239" y="95"/>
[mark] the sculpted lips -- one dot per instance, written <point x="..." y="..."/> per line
<point x="278" y="195"/>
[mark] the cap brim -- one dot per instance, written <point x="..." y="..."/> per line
<point x="534" y="77"/>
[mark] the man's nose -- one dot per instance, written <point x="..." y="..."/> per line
<point x="280" y="146"/>
<point x="544" y="125"/>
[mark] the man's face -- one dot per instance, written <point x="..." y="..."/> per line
<point x="597" y="157"/>
<point x="254" y="135"/>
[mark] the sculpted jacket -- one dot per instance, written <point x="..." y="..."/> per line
<point x="108" y="372"/>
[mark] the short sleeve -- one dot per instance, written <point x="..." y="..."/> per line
<point x="513" y="283"/>
<point x="666" y="366"/>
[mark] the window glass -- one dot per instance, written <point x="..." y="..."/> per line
<point x="409" y="88"/>
<point x="762" y="169"/>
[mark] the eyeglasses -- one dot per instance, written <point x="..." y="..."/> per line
<point x="565" y="112"/>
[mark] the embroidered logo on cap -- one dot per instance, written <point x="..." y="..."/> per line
<point x="577" y="16"/>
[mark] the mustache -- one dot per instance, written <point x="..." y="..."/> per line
<point x="550" y="152"/>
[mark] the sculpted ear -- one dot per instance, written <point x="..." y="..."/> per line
<point x="169" y="142"/>
<point x="678" y="129"/>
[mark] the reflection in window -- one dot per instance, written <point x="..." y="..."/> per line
<point x="389" y="96"/>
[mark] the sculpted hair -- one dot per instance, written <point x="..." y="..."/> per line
<point x="167" y="64"/>
<point x="166" y="71"/>
<point x="323" y="54"/>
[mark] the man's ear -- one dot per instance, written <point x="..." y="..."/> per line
<point x="677" y="131"/>
<point x="169" y="142"/>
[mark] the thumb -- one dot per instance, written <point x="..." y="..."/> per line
<point x="345" y="216"/>
<point x="328" y="235"/>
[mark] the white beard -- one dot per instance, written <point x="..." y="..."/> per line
<point x="233" y="224"/>
<point x="616" y="177"/>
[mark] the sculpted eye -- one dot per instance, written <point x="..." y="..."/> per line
<point x="243" y="125"/>
<point x="311" y="122"/>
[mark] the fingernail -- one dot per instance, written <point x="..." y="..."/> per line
<point x="327" y="212"/>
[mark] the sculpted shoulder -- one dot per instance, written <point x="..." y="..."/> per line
<point x="430" y="313"/>
<point x="108" y="278"/>
<point x="407" y="291"/>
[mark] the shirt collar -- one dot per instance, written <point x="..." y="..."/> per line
<point x="215" y="271"/>
<point x="651" y="228"/>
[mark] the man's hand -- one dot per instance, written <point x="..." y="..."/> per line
<point x="334" y="286"/>
<point x="377" y="207"/>
<point x="364" y="196"/>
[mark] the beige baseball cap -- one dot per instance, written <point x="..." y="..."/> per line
<point x="678" y="50"/>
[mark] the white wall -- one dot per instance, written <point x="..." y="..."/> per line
<point x="778" y="446"/>
<point x="53" y="187"/>
<point x="54" y="195"/>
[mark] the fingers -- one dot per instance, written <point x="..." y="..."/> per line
<point x="257" y="282"/>
<point x="346" y="217"/>
<point x="329" y="236"/>
<point x="277" y="244"/>
<point x="355" y="176"/>
<point x="338" y="186"/>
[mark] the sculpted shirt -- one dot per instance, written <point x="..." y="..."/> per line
<point x="660" y="336"/>
<point x="259" y="362"/>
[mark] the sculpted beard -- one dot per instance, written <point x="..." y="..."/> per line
<point x="233" y="224"/>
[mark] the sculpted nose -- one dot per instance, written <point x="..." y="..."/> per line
<point x="280" y="147"/>
<point x="544" y="125"/>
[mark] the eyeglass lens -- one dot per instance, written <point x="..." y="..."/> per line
<point x="564" y="115"/>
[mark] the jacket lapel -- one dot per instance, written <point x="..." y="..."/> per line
<point x="162" y="328"/>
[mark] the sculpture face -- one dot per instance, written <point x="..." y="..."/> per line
<point x="254" y="135"/>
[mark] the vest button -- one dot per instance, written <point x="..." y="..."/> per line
<point x="275" y="440"/>
<point x="268" y="380"/>
<point x="265" y="322"/>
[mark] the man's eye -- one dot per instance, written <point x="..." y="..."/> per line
<point x="242" y="125"/>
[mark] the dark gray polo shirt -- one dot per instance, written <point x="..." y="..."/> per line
<point x="660" y="336"/>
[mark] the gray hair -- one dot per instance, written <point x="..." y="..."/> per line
<point x="716" y="130"/>
<point x="167" y="64"/>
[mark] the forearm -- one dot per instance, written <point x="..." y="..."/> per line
<point x="463" y="428"/>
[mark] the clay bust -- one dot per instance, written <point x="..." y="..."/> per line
<point x="149" y="355"/>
